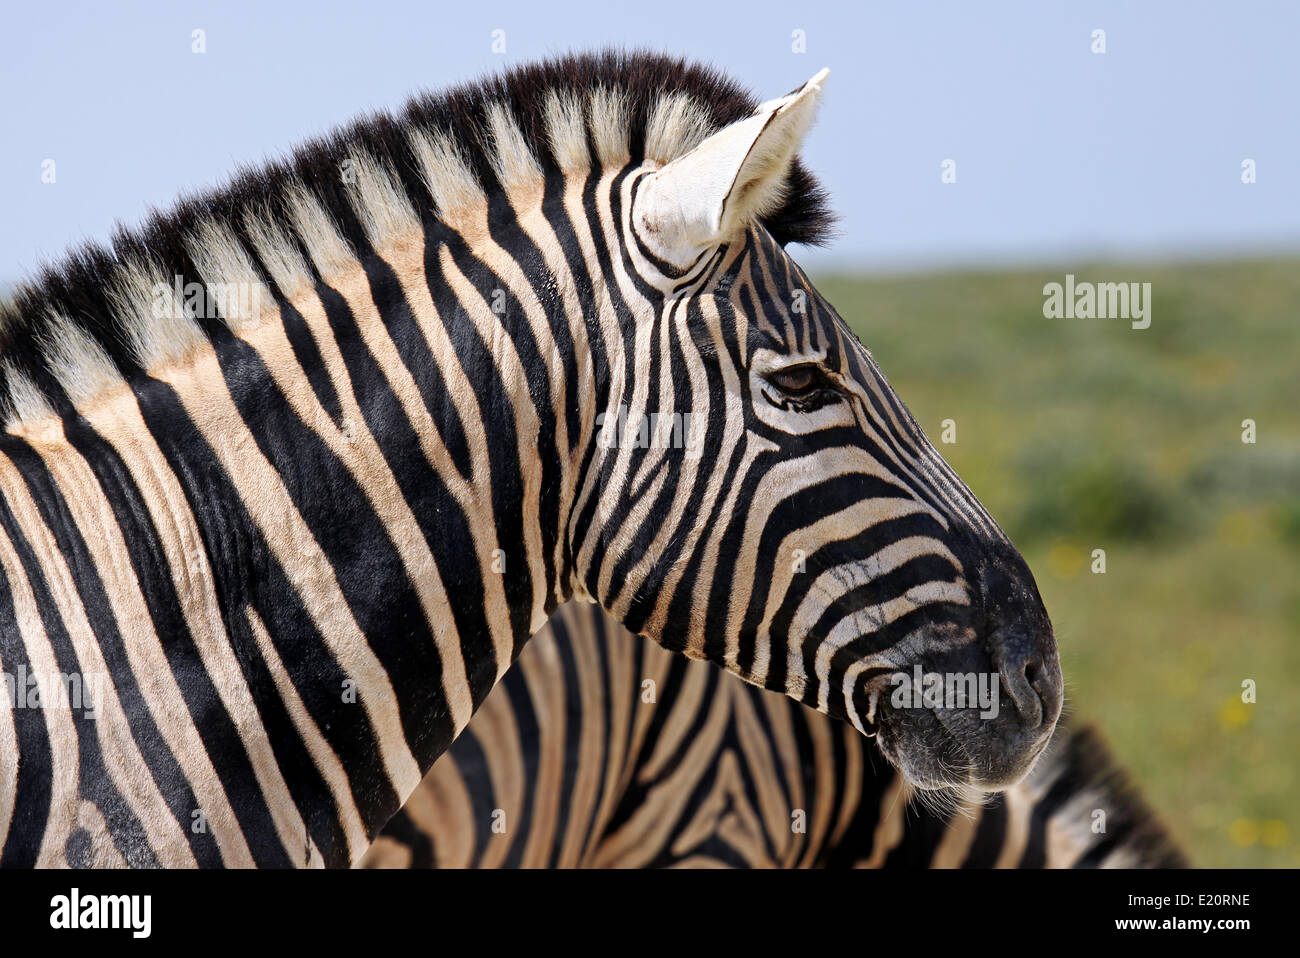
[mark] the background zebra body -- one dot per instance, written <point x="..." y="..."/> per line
<point x="567" y="764"/>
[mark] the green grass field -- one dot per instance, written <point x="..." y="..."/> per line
<point x="1084" y="434"/>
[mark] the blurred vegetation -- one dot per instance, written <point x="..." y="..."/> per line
<point x="1084" y="434"/>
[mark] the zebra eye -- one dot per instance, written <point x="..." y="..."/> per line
<point x="797" y="381"/>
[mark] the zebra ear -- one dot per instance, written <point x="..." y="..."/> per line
<point x="708" y="195"/>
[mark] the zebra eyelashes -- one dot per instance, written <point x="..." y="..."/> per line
<point x="796" y="380"/>
<point x="800" y="388"/>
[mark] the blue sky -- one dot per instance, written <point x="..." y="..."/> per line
<point x="1061" y="154"/>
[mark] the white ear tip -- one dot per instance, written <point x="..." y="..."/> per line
<point x="809" y="92"/>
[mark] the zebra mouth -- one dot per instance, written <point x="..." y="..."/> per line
<point x="930" y="759"/>
<point x="935" y="750"/>
<point x="942" y="748"/>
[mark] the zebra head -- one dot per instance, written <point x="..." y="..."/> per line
<point x="767" y="502"/>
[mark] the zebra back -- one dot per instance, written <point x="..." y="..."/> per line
<point x="601" y="749"/>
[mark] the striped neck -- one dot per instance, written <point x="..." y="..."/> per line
<point x="351" y="509"/>
<point x="416" y="404"/>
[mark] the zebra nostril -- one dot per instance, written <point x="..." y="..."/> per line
<point x="1019" y="636"/>
<point x="1030" y="683"/>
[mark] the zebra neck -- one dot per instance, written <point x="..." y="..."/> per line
<point x="407" y="409"/>
<point x="349" y="512"/>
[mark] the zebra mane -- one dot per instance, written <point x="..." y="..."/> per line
<point x="84" y="324"/>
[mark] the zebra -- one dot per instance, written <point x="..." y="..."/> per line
<point x="600" y="749"/>
<point x="290" y="473"/>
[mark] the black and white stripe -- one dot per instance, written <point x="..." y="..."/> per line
<point x="575" y="761"/>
